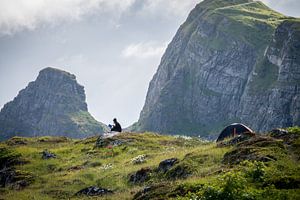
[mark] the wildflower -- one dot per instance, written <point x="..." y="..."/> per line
<point x="139" y="159"/>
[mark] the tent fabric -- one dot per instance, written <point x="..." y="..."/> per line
<point x="233" y="130"/>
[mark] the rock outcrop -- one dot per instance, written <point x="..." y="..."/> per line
<point x="53" y="104"/>
<point x="231" y="61"/>
<point x="9" y="175"/>
<point x="94" y="191"/>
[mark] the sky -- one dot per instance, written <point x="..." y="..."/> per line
<point x="112" y="46"/>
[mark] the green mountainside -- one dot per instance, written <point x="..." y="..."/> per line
<point x="233" y="61"/>
<point x="151" y="166"/>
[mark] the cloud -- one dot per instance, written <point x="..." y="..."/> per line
<point x="17" y="15"/>
<point x="144" y="50"/>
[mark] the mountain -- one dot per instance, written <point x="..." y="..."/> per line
<point x="54" y="104"/>
<point x="231" y="61"/>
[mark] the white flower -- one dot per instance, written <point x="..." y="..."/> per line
<point x="183" y="137"/>
<point x="139" y="159"/>
<point x="107" y="166"/>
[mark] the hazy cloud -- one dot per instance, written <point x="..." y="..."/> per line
<point x="16" y="15"/>
<point x="144" y="50"/>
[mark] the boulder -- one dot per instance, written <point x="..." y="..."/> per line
<point x="140" y="176"/>
<point x="9" y="177"/>
<point x="47" y="155"/>
<point x="279" y="133"/>
<point x="180" y="171"/>
<point x="286" y="136"/>
<point x="165" y="165"/>
<point x="252" y="150"/>
<point x="94" y="191"/>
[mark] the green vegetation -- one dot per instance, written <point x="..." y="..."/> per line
<point x="266" y="75"/>
<point x="85" y="121"/>
<point x="250" y="22"/>
<point x="254" y="23"/>
<point x="199" y="173"/>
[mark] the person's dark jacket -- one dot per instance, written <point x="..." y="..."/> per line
<point x="117" y="127"/>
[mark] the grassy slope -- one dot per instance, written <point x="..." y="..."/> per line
<point x="86" y="122"/>
<point x="54" y="178"/>
<point x="253" y="23"/>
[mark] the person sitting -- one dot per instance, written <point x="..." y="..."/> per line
<point x="116" y="127"/>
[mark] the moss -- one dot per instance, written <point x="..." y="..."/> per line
<point x="85" y="122"/>
<point x="294" y="130"/>
<point x="8" y="157"/>
<point x="254" y="22"/>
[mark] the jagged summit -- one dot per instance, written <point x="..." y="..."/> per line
<point x="53" y="104"/>
<point x="54" y="72"/>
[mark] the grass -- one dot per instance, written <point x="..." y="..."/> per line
<point x="85" y="121"/>
<point x="59" y="178"/>
<point x="252" y="23"/>
<point x="80" y="164"/>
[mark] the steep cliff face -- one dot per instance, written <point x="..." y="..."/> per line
<point x="54" y="104"/>
<point x="272" y="96"/>
<point x="222" y="67"/>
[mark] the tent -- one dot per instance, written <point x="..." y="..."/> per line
<point x="234" y="130"/>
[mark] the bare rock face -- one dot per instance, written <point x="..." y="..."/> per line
<point x="54" y="104"/>
<point x="231" y="61"/>
<point x="272" y="95"/>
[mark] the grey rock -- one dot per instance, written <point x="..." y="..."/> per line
<point x="165" y="165"/>
<point x="219" y="70"/>
<point x="279" y="133"/>
<point x="140" y="176"/>
<point x="288" y="137"/>
<point x="54" y="104"/>
<point x="17" y="180"/>
<point x="94" y="191"/>
<point x="47" y="155"/>
<point x="9" y="176"/>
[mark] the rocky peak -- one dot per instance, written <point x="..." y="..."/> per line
<point x="53" y="104"/>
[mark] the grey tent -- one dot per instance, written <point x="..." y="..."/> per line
<point x="234" y="130"/>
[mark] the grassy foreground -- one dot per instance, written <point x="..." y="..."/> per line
<point x="201" y="172"/>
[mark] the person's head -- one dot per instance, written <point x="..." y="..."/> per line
<point x="115" y="120"/>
